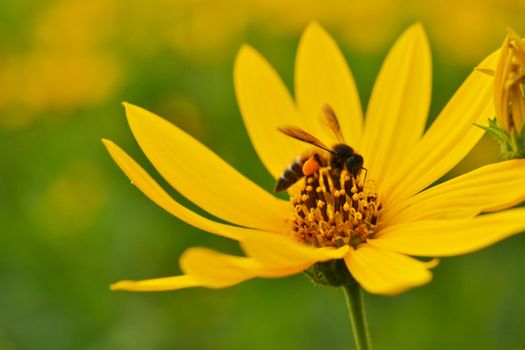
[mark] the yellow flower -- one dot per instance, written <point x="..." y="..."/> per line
<point x="402" y="161"/>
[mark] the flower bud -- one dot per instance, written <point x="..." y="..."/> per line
<point x="509" y="100"/>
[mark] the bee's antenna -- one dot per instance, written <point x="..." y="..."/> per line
<point x="366" y="173"/>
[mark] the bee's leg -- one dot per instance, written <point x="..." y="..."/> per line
<point x="319" y="159"/>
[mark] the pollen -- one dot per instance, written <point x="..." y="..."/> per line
<point x="333" y="209"/>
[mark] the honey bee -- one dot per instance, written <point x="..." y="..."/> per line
<point x="341" y="155"/>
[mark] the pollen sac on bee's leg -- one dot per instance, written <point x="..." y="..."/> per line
<point x="333" y="208"/>
<point x="311" y="165"/>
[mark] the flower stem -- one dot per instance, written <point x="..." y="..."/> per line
<point x="356" y="310"/>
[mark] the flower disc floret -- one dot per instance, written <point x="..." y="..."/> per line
<point x="333" y="208"/>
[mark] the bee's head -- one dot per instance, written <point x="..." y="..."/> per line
<point x="344" y="156"/>
<point x="354" y="163"/>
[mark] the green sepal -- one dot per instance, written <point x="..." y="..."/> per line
<point x="520" y="142"/>
<point x="511" y="146"/>
<point x="332" y="273"/>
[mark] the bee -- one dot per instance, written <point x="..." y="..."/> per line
<point x="341" y="155"/>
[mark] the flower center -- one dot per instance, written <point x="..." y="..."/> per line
<point x="333" y="208"/>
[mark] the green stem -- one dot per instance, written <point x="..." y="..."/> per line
<point x="356" y="310"/>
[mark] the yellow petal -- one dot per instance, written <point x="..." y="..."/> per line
<point x="385" y="272"/>
<point x="153" y="191"/>
<point x="489" y="188"/>
<point x="501" y="92"/>
<point x="266" y="104"/>
<point x="398" y="107"/>
<point x="451" y="237"/>
<point x="323" y="77"/>
<point x="157" y="284"/>
<point x="278" y="251"/>
<point x="203" y="177"/>
<point x="207" y="268"/>
<point x="218" y="270"/>
<point x="448" y="140"/>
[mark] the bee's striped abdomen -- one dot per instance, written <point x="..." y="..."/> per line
<point x="290" y="175"/>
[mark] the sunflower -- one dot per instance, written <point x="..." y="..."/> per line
<point x="373" y="223"/>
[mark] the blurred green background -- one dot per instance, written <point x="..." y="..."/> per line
<point x="71" y="223"/>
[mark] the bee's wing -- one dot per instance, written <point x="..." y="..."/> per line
<point x="302" y="135"/>
<point x="330" y="119"/>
